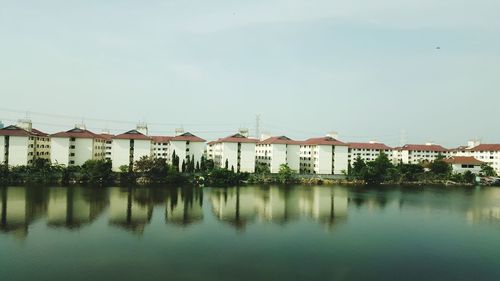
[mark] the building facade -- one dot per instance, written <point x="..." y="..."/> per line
<point x="76" y="146"/>
<point x="129" y="147"/>
<point x="418" y="153"/>
<point x="20" y="144"/>
<point x="276" y="151"/>
<point x="487" y="153"/>
<point x="187" y="146"/>
<point x="236" y="152"/>
<point x="324" y="156"/>
<point x="367" y="151"/>
<point x="463" y="164"/>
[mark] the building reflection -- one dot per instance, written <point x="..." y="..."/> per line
<point x="130" y="209"/>
<point x="235" y="206"/>
<point x="19" y="207"/>
<point x="73" y="208"/>
<point x="184" y="206"/>
<point x="240" y="206"/>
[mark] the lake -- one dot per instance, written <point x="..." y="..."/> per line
<point x="250" y="233"/>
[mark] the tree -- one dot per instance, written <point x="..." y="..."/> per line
<point x="183" y="167"/>
<point x="286" y="174"/>
<point x="487" y="170"/>
<point x="197" y="168"/>
<point x="262" y="169"/>
<point x="357" y="167"/>
<point x="232" y="168"/>
<point x="377" y="171"/>
<point x="227" y="164"/>
<point x="97" y="172"/>
<point x="411" y="172"/>
<point x="469" y="177"/>
<point x="440" y="168"/>
<point x="155" y="170"/>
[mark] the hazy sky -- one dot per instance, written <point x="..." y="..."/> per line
<point x="366" y="69"/>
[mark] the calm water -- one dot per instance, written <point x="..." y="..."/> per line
<point x="250" y="233"/>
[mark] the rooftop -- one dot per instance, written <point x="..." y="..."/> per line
<point x="463" y="160"/>
<point x="324" y="141"/>
<point x="77" y="133"/>
<point x="279" y="140"/>
<point x="132" y="135"/>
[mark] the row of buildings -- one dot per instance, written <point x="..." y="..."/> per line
<point x="20" y="144"/>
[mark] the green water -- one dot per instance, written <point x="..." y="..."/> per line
<point x="250" y="233"/>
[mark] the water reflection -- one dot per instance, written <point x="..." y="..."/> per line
<point x="132" y="209"/>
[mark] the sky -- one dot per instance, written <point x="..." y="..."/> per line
<point x="411" y="71"/>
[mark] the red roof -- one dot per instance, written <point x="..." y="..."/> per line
<point x="77" y="133"/>
<point x="424" y="147"/>
<point x="368" y="145"/>
<point x="486" y="147"/>
<point x="237" y="138"/>
<point x="20" y="132"/>
<point x="107" y="137"/>
<point x="161" y="139"/>
<point x="324" y="141"/>
<point x="188" y="137"/>
<point x="132" y="135"/>
<point x="466" y="160"/>
<point x="279" y="140"/>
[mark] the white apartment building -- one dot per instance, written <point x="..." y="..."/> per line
<point x="76" y="146"/>
<point x="367" y="151"/>
<point x="129" y="147"/>
<point x="161" y="147"/>
<point x="20" y="144"/>
<point x="109" y="144"/>
<point x="275" y="151"/>
<point x="418" y="153"/>
<point x="238" y="151"/>
<point x="488" y="153"/>
<point x="324" y="156"/>
<point x="187" y="145"/>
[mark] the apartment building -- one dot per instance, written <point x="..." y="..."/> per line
<point x="324" y="156"/>
<point x="129" y="147"/>
<point x="187" y="145"/>
<point x="76" y="146"/>
<point x="275" y="151"/>
<point x="367" y="151"/>
<point x="418" y="153"/>
<point x="487" y="153"/>
<point x="161" y="147"/>
<point x="108" y="138"/>
<point x="20" y="144"/>
<point x="237" y="151"/>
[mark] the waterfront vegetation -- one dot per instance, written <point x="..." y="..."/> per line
<point x="151" y="171"/>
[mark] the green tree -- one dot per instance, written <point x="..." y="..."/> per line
<point x="262" y="169"/>
<point x="440" y="168"/>
<point x="487" y="170"/>
<point x="227" y="164"/>
<point x="357" y="167"/>
<point x="469" y="177"/>
<point x="377" y="171"/>
<point x="286" y="174"/>
<point x="97" y="172"/>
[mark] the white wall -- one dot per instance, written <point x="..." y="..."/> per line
<point x="120" y="153"/>
<point x="293" y="157"/>
<point x="247" y="158"/>
<point x="83" y="151"/>
<point x="278" y="157"/>
<point x="341" y="160"/>
<point x="457" y="168"/>
<point x="2" y="149"/>
<point x="59" y="151"/>
<point x="18" y="151"/>
<point x="229" y="152"/>
<point x="142" y="148"/>
<point x="323" y="159"/>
